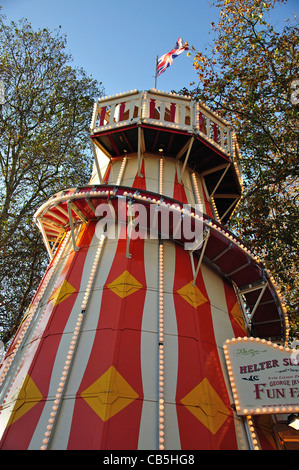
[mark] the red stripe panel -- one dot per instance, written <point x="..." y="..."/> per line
<point x="198" y="359"/>
<point x="42" y="364"/>
<point x="116" y="343"/>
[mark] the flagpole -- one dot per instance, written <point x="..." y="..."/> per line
<point x="156" y="72"/>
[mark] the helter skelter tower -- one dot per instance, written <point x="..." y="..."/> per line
<point x="122" y="345"/>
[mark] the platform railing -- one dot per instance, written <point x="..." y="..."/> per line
<point x="162" y="109"/>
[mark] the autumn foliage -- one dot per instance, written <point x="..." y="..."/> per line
<point x="250" y="75"/>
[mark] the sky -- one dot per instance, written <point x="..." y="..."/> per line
<point x="117" y="41"/>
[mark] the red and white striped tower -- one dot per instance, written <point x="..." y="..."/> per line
<point x="122" y="345"/>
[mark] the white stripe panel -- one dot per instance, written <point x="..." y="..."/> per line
<point x="61" y="431"/>
<point x="223" y="330"/>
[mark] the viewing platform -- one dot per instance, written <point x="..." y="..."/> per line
<point x="162" y="109"/>
<point x="170" y="125"/>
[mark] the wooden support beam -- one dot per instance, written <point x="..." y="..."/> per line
<point x="58" y="217"/>
<point x="225" y="250"/>
<point x="239" y="268"/>
<point x="226" y="196"/>
<point x="72" y="226"/>
<point x="61" y="210"/>
<point x="186" y="159"/>
<point x="90" y="205"/>
<point x="129" y="231"/>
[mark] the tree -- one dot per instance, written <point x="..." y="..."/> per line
<point x="44" y="123"/>
<point x="250" y="77"/>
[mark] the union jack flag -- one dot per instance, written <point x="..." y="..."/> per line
<point x="167" y="59"/>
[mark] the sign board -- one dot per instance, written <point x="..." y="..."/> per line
<point x="264" y="376"/>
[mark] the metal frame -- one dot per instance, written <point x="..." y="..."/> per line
<point x="45" y="238"/>
<point x="213" y="170"/>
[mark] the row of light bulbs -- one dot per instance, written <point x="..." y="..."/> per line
<point x="194" y="179"/>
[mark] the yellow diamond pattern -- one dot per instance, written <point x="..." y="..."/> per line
<point x="192" y="295"/>
<point x="27" y="397"/>
<point x="206" y="405"/>
<point x="62" y="292"/>
<point x="109" y="394"/>
<point x="237" y="314"/>
<point x="125" y="285"/>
